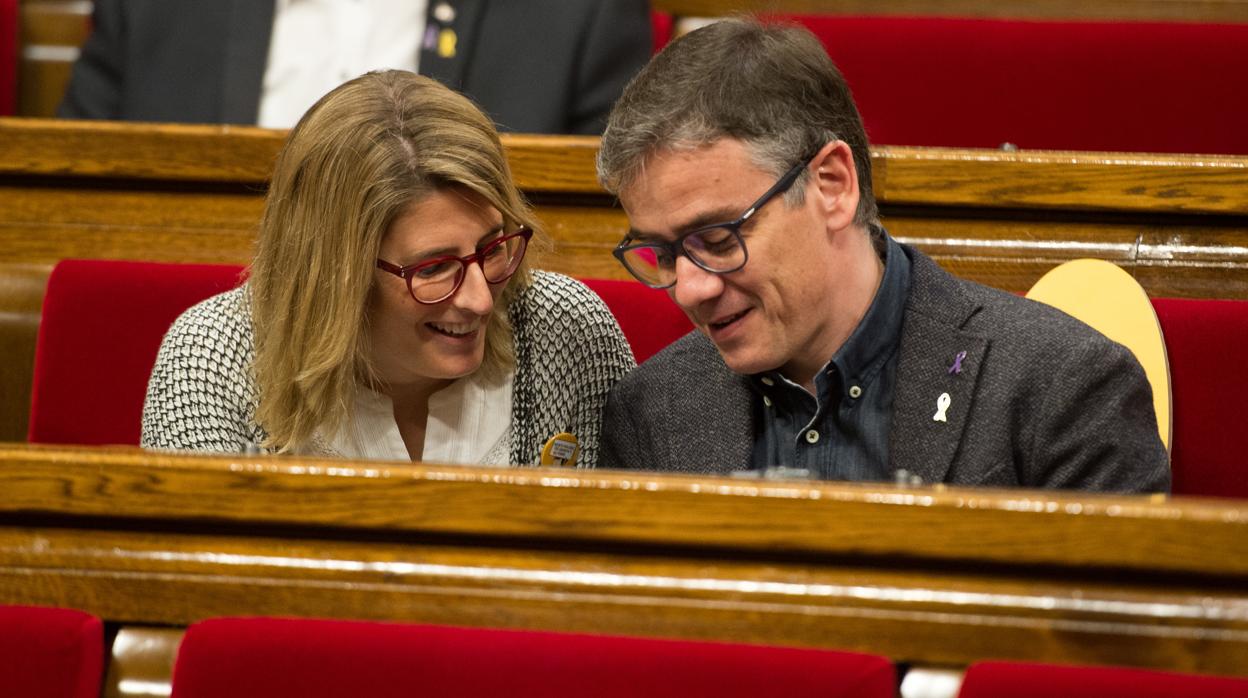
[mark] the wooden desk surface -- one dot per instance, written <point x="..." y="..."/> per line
<point x="929" y="575"/>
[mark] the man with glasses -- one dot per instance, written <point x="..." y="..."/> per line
<point x="823" y="346"/>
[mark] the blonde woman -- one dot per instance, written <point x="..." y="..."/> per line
<point x="390" y="311"/>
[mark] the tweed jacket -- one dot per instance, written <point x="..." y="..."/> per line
<point x="537" y="66"/>
<point x="569" y="352"/>
<point x="1042" y="400"/>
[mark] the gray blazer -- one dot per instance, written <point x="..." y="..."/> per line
<point x="1042" y="400"/>
<point x="536" y="66"/>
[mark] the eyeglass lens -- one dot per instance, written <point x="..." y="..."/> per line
<point x="713" y="249"/>
<point x="438" y="279"/>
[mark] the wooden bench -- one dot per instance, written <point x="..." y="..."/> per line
<point x="1179" y="224"/>
<point x="930" y="576"/>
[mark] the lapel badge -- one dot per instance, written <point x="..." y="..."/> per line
<point x="444" y="13"/>
<point x="957" y="363"/>
<point x="942" y="406"/>
<point x="446" y="43"/>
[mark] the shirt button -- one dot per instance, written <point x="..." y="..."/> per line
<point x="767" y="401"/>
<point x="855" y="391"/>
<point x="768" y="382"/>
<point x="812" y="436"/>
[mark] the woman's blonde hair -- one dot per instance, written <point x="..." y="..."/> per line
<point x="350" y="166"/>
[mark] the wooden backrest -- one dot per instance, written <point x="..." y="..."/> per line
<point x="931" y="576"/>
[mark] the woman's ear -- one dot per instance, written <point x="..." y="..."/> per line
<point x="836" y="184"/>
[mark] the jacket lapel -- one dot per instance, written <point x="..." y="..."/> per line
<point x="730" y="443"/>
<point x="451" y="30"/>
<point x="246" y="53"/>
<point x="715" y="433"/>
<point x="931" y="343"/>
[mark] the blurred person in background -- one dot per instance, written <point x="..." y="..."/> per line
<point x="534" y="66"/>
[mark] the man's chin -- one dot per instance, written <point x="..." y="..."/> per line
<point x="744" y="362"/>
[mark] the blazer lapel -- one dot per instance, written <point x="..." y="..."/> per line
<point x="709" y="423"/>
<point x="937" y="372"/>
<point x="729" y="443"/>
<point x="451" y="30"/>
<point x="246" y="53"/>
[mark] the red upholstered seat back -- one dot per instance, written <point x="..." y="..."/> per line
<point x="1207" y="342"/>
<point x="8" y="57"/>
<point x="649" y="318"/>
<point x="270" y="658"/>
<point x="101" y="327"/>
<point x="1025" y="680"/>
<point x="50" y="653"/>
<point x="103" y="322"/>
<point x="1135" y="86"/>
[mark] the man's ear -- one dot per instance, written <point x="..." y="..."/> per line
<point x="836" y="184"/>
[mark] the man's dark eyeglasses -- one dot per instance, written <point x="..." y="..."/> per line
<point x="717" y="248"/>
<point x="434" y="280"/>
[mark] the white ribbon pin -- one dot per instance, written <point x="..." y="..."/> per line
<point x="942" y="406"/>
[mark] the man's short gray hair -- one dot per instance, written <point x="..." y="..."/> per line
<point x="772" y="87"/>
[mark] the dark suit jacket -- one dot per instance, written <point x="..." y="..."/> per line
<point x="1043" y="400"/>
<point x="535" y="66"/>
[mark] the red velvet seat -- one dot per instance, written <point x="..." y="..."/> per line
<point x="103" y="321"/>
<point x="101" y="327"/>
<point x="50" y="652"/>
<point x="8" y="57"/>
<point x="1206" y="341"/>
<point x="649" y="319"/>
<point x="271" y="658"/>
<point x="1134" y="86"/>
<point x="1025" y="680"/>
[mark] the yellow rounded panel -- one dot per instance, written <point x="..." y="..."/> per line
<point x="1107" y="298"/>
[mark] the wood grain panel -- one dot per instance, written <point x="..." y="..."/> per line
<point x="1071" y="181"/>
<point x="1069" y="530"/>
<point x="49" y="35"/>
<point x="925" y="575"/>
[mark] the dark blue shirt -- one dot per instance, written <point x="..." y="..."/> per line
<point x="841" y="432"/>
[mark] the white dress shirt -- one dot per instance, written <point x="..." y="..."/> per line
<point x="317" y="45"/>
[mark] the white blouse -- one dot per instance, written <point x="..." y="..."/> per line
<point x="469" y="424"/>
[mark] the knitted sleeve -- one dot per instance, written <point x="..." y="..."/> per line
<point x="569" y="352"/>
<point x="201" y="395"/>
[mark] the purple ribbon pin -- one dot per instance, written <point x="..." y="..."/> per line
<point x="957" y="363"/>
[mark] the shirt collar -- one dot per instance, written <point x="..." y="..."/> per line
<point x="877" y="335"/>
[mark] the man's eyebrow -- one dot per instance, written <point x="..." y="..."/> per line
<point x="722" y="215"/>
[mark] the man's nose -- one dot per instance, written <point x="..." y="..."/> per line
<point x="694" y="285"/>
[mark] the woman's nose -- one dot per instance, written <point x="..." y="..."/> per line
<point x="474" y="294"/>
